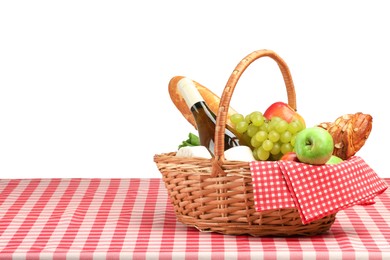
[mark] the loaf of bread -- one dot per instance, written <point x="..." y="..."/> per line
<point x="349" y="132"/>
<point x="212" y="100"/>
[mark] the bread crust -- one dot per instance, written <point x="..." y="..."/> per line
<point x="212" y="100"/>
<point x="349" y="132"/>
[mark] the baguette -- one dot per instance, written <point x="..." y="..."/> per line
<point x="212" y="100"/>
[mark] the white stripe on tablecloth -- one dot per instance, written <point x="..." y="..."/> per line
<point x="14" y="196"/>
<point x="45" y="213"/>
<point x="124" y="215"/>
<point x="180" y="240"/>
<point x="191" y="246"/>
<point x="348" y="227"/>
<point x="205" y="241"/>
<point x="3" y="184"/>
<point x="76" y="215"/>
<point x="102" y="218"/>
<point x="19" y="216"/>
<point x="253" y="247"/>
<point x="281" y="248"/>
<point x="217" y="245"/>
<point x="341" y="231"/>
<point x="311" y="251"/>
<point x="89" y="216"/>
<point x="133" y="229"/>
<point x="298" y="247"/>
<point x="146" y="240"/>
<point x="140" y="220"/>
<point x="62" y="197"/>
<point x="61" y="240"/>
<point x="168" y="225"/>
<point x="157" y="229"/>
<point x="315" y="248"/>
<point x="230" y="245"/>
<point x="364" y="230"/>
<point x="180" y="243"/>
<point x="65" y="218"/>
<point x="377" y="226"/>
<point x="6" y="186"/>
<point x="332" y="247"/>
<point x="108" y="230"/>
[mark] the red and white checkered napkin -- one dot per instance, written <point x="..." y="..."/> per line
<point x="315" y="190"/>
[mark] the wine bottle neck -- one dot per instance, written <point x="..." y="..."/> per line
<point x="189" y="92"/>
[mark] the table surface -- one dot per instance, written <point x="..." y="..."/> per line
<point x="132" y="218"/>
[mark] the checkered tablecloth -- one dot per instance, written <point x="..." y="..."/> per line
<point x="132" y="219"/>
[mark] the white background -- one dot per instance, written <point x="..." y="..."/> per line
<point x="84" y="84"/>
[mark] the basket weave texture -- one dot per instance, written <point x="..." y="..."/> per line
<point x="216" y="195"/>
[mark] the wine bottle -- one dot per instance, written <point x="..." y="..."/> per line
<point x="205" y="119"/>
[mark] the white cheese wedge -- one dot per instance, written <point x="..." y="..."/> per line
<point x="194" y="151"/>
<point x="239" y="153"/>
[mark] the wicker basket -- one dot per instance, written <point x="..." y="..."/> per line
<point x="216" y="195"/>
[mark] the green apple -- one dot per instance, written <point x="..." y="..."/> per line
<point x="334" y="160"/>
<point x="314" y="145"/>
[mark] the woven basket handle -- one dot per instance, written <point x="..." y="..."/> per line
<point x="227" y="95"/>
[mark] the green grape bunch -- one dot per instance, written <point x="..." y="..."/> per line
<point x="269" y="139"/>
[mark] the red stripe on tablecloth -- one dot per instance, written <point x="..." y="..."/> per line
<point x="295" y="247"/>
<point x="269" y="248"/>
<point x="122" y="225"/>
<point x="319" y="245"/>
<point x="217" y="246"/>
<point x="18" y="204"/>
<point x="76" y="221"/>
<point x="169" y="228"/>
<point x="361" y="231"/>
<point x="341" y="236"/>
<point x="377" y="216"/>
<point x="192" y="243"/>
<point x="47" y="231"/>
<point x="243" y="247"/>
<point x="100" y="220"/>
<point x="142" y="238"/>
<point x="11" y="185"/>
<point x="347" y="230"/>
<point x="32" y="216"/>
<point x="341" y="232"/>
<point x="382" y="226"/>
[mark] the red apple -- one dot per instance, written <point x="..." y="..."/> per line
<point x="290" y="156"/>
<point x="283" y="110"/>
